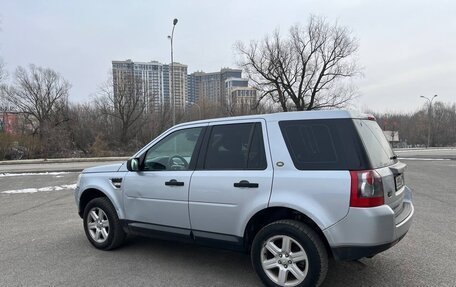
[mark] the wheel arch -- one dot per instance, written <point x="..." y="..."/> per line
<point x="271" y="214"/>
<point x="90" y="193"/>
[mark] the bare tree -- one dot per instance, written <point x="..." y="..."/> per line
<point x="305" y="70"/>
<point x="123" y="99"/>
<point x="3" y="73"/>
<point x="86" y="123"/>
<point x="411" y="126"/>
<point x="3" y="76"/>
<point x="41" y="96"/>
<point x="243" y="104"/>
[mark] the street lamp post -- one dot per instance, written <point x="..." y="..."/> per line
<point x="195" y="104"/>
<point x="199" y="110"/>
<point x="430" y="117"/>
<point x="172" y="72"/>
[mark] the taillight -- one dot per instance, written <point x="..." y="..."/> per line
<point x="366" y="189"/>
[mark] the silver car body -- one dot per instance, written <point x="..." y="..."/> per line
<point x="208" y="206"/>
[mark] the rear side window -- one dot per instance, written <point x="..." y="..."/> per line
<point x="377" y="147"/>
<point x="324" y="144"/>
<point x="236" y="147"/>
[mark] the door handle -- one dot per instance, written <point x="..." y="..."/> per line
<point x="174" y="182"/>
<point x="246" y="183"/>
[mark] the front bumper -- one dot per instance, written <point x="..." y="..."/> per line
<point x="365" y="232"/>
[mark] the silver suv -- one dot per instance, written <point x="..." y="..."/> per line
<point x="292" y="189"/>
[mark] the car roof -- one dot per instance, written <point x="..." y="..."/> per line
<point x="280" y="116"/>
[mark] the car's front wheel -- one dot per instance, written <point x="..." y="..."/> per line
<point x="289" y="253"/>
<point x="101" y="224"/>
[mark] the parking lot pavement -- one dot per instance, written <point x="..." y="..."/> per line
<point x="43" y="243"/>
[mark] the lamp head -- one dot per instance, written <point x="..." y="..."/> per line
<point x="175" y="21"/>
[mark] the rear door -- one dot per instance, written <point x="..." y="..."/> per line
<point x="232" y="181"/>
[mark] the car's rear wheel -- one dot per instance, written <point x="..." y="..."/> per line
<point x="101" y="224"/>
<point x="289" y="253"/>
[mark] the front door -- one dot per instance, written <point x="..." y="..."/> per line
<point x="158" y="193"/>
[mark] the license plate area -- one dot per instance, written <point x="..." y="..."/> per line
<point x="399" y="181"/>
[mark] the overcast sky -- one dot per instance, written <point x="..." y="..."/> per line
<point x="407" y="48"/>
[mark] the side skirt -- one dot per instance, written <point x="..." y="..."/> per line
<point x="204" y="238"/>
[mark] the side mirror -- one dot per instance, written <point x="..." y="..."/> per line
<point x="133" y="164"/>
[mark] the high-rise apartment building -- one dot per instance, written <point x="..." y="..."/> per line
<point x="211" y="86"/>
<point x="140" y="79"/>
<point x="193" y="88"/>
<point x="151" y="81"/>
<point x="179" y="82"/>
<point x="225" y="74"/>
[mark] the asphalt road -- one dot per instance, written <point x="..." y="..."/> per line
<point x="43" y="242"/>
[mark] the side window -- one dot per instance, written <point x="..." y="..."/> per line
<point x="330" y="144"/>
<point x="235" y="147"/>
<point x="311" y="143"/>
<point x="257" y="156"/>
<point x="174" y="152"/>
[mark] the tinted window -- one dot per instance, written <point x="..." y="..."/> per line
<point x="257" y="156"/>
<point x="174" y="152"/>
<point x="324" y="144"/>
<point x="235" y="147"/>
<point x="378" y="148"/>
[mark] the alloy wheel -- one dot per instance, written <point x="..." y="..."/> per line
<point x="284" y="260"/>
<point x="98" y="225"/>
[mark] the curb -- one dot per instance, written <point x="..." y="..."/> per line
<point x="62" y="160"/>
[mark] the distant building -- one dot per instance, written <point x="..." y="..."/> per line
<point x="392" y="137"/>
<point x="191" y="95"/>
<point x="239" y="93"/>
<point x="145" y="79"/>
<point x="225" y="74"/>
<point x="180" y="85"/>
<point x="8" y="122"/>
<point x="211" y="86"/>
<point x="152" y="82"/>
<point x="166" y="85"/>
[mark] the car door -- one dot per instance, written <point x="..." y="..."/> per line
<point x="232" y="180"/>
<point x="156" y="197"/>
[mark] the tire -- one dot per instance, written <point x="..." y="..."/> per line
<point x="289" y="253"/>
<point x="101" y="224"/>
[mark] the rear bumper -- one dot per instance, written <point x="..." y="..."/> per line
<point x="356" y="252"/>
<point x="365" y="232"/>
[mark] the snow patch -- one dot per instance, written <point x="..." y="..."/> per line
<point x="41" y="189"/>
<point x="423" y="159"/>
<point x="57" y="174"/>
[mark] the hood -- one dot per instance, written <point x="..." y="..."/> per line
<point x="103" y="168"/>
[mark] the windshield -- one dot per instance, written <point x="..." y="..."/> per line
<point x="377" y="147"/>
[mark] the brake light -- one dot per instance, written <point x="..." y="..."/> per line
<point x="366" y="189"/>
<point x="371" y="118"/>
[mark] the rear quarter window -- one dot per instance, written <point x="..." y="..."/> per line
<point x="378" y="148"/>
<point x="331" y="144"/>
